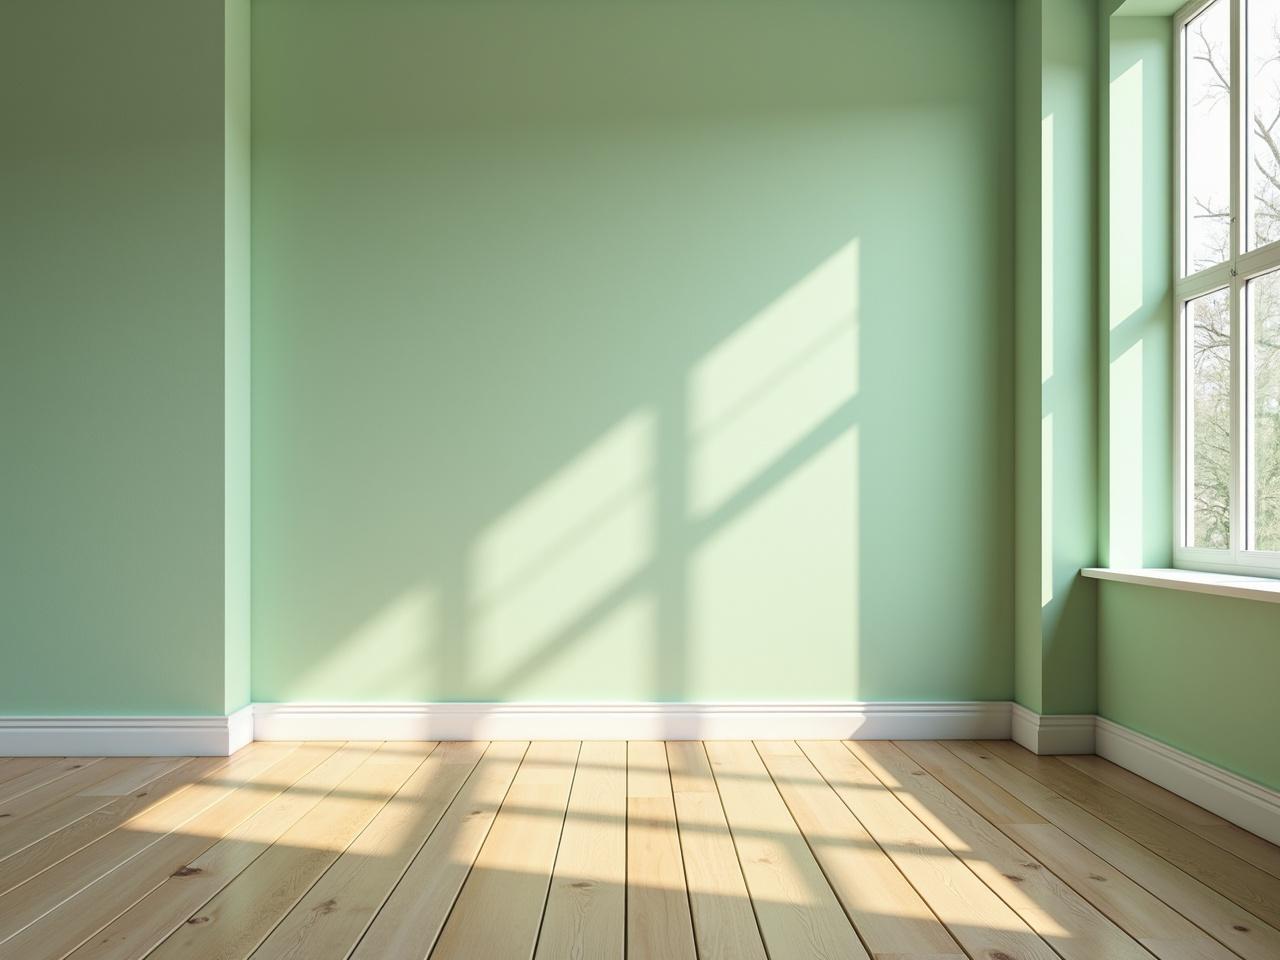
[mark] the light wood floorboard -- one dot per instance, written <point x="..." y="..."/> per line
<point x="659" y="923"/>
<point x="1253" y="889"/>
<point x="1213" y="913"/>
<point x="1212" y="827"/>
<point x="1164" y="932"/>
<point x="724" y="921"/>
<point x="716" y="850"/>
<point x="586" y="906"/>
<point x="41" y="774"/>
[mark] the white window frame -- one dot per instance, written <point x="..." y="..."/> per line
<point x="1233" y="276"/>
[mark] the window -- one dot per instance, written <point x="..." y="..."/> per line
<point x="1228" y="286"/>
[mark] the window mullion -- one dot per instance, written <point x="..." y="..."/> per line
<point x="1239" y="130"/>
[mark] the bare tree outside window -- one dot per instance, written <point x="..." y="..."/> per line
<point x="1207" y="243"/>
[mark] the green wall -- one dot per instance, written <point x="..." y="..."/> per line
<point x="1135" y="295"/>
<point x="1197" y="672"/>
<point x="237" y="342"/>
<point x="1055" y="465"/>
<point x="599" y="351"/>
<point x="629" y="351"/>
<point x="113" y="584"/>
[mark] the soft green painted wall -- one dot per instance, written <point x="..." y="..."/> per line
<point x="1194" y="671"/>
<point x="237" y="369"/>
<point x="1135" y="258"/>
<point x="1027" y="555"/>
<point x="1056" y="343"/>
<point x="626" y="350"/>
<point x="112" y="570"/>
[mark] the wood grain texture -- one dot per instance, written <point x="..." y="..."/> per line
<point x="36" y="854"/>
<point x="13" y="767"/>
<point x="1050" y="907"/>
<point x="1253" y="889"/>
<point x="979" y="920"/>
<point x="329" y="921"/>
<point x="773" y="850"/>
<point x="240" y="915"/>
<point x="659" y="923"/>
<point x="800" y="916"/>
<point x="117" y="871"/>
<point x="42" y="775"/>
<point x="195" y="884"/>
<point x="585" y="915"/>
<point x="1217" y="916"/>
<point x="1145" y="917"/>
<point x="20" y="829"/>
<point x="724" y="921"/>
<point x="888" y="913"/>
<point x="407" y="926"/>
<point x="512" y="872"/>
<point x="1245" y="845"/>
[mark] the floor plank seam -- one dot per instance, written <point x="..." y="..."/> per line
<point x="319" y="877"/>
<point x="129" y="859"/>
<point x="1242" y="863"/>
<point x="812" y="852"/>
<point x="684" y="860"/>
<point x="755" y="912"/>
<point x="225" y="834"/>
<point x="919" y="893"/>
<point x="444" y="922"/>
<point x="1153" y="850"/>
<point x="794" y="859"/>
<point x="551" y="876"/>
<point x="1145" y="886"/>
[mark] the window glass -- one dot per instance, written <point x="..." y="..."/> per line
<point x="1207" y="146"/>
<point x="1209" y="420"/>
<point x="1264" y="315"/>
<point x="1263" y="118"/>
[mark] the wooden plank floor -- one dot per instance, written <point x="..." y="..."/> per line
<point x="789" y="851"/>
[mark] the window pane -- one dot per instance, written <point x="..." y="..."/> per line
<point x="1263" y="39"/>
<point x="1207" y="206"/>
<point x="1264" y="313"/>
<point x="1209" y="329"/>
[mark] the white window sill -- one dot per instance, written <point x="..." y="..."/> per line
<point x="1193" y="581"/>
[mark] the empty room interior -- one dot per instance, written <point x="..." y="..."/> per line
<point x="639" y="479"/>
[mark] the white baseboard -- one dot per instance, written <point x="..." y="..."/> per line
<point x="1243" y="802"/>
<point x="240" y="729"/>
<point x="632" y="721"/>
<point x="1052" y="734"/>
<point x="125" y="736"/>
<point x="1230" y="796"/>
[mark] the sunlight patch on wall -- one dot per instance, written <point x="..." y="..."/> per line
<point x="543" y="577"/>
<point x="773" y="595"/>
<point x="1126" y="456"/>
<point x="1046" y="509"/>
<point x="774" y="380"/>
<point x="389" y="653"/>
<point x="1126" y="247"/>
<point x="1046" y="248"/>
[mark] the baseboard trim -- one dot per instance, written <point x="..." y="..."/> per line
<point x="240" y="729"/>
<point x="1243" y="802"/>
<point x="1232" y="797"/>
<point x="1049" y="734"/>
<point x="125" y="736"/>
<point x="632" y="721"/>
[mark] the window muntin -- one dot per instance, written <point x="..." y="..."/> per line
<point x="1228" y="286"/>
